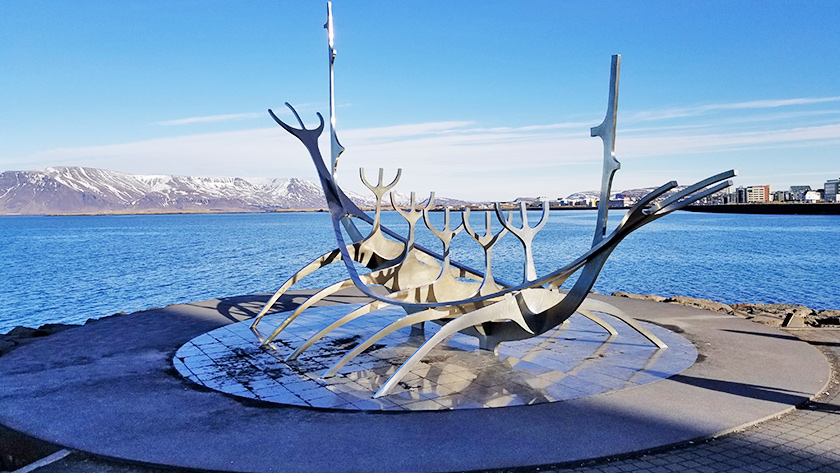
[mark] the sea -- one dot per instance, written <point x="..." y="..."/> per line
<point x="68" y="269"/>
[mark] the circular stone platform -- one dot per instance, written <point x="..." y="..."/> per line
<point x="577" y="359"/>
<point x="109" y="388"/>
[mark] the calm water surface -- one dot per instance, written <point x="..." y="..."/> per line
<point x="69" y="269"/>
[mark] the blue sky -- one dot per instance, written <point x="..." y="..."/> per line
<point x="473" y="99"/>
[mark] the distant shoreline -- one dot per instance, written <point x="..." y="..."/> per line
<point x="177" y="212"/>
<point x="821" y="208"/>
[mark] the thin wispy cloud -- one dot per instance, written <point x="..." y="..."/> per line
<point x="402" y="132"/>
<point x="755" y="104"/>
<point x="455" y="158"/>
<point x="462" y="132"/>
<point x="678" y="143"/>
<point x="683" y="112"/>
<point x="210" y="119"/>
<point x="439" y="141"/>
<point x="537" y="128"/>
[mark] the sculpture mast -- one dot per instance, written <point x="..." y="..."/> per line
<point x="335" y="147"/>
<point x="606" y="130"/>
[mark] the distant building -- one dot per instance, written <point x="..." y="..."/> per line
<point x="621" y="201"/>
<point x="832" y="187"/>
<point x="758" y="194"/>
<point x="578" y="200"/>
<point x="784" y="196"/>
<point x="798" y="192"/>
<point x="811" y="196"/>
<point x="583" y="201"/>
<point x="527" y="200"/>
<point x="741" y="195"/>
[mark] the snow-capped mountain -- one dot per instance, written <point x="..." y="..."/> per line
<point x="635" y="194"/>
<point x="74" y="190"/>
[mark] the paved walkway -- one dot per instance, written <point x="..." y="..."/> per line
<point x="805" y="440"/>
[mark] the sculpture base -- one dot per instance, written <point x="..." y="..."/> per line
<point x="577" y="359"/>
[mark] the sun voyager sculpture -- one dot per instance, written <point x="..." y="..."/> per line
<point x="432" y="288"/>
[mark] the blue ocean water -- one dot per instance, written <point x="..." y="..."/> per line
<point x="71" y="268"/>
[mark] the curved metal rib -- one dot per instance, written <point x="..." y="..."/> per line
<point x="508" y="307"/>
<point x="410" y="274"/>
<point x="444" y="286"/>
<point x="411" y="319"/>
<point x="598" y="320"/>
<point x="365" y="309"/>
<point x="415" y="280"/>
<point x="371" y="251"/>
<point x="590" y="304"/>
<point x="318" y="296"/>
<point x="310" y="268"/>
<point x="605" y="246"/>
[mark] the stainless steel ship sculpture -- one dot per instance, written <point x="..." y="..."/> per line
<point x="432" y="288"/>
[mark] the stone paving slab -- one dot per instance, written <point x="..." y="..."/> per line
<point x="109" y="389"/>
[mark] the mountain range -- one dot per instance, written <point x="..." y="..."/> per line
<point x="81" y="190"/>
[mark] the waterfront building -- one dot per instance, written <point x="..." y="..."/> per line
<point x="811" y="197"/>
<point x="741" y="195"/>
<point x="758" y="194"/>
<point x="579" y="199"/>
<point x="621" y="201"/>
<point x="718" y="198"/>
<point x="831" y="190"/>
<point x="798" y="192"/>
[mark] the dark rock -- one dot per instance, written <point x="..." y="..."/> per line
<point x="823" y="318"/>
<point x="20" y="332"/>
<point x="704" y="304"/>
<point x="6" y="345"/>
<point x="49" y="329"/>
<point x="787" y="315"/>
<point x="775" y="310"/>
<point x="20" y="335"/>
<point x="642" y="297"/>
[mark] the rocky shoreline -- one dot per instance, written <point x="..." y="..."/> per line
<point x="779" y="315"/>
<point x="21" y="335"/>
